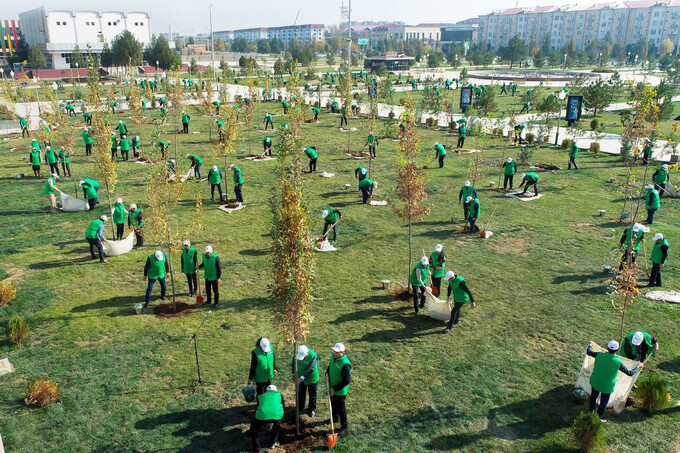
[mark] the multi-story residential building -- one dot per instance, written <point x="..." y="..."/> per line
<point x="625" y="21"/>
<point x="57" y="32"/>
<point x="304" y="34"/>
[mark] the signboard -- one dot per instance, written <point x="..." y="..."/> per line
<point x="465" y="98"/>
<point x="363" y="41"/>
<point x="574" y="107"/>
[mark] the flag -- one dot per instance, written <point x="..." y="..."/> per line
<point x="9" y="39"/>
<point x="2" y="40"/>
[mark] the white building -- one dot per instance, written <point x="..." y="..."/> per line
<point x="304" y="34"/>
<point x="57" y="32"/>
<point x="401" y="32"/>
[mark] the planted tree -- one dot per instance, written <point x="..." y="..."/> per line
<point x="597" y="95"/>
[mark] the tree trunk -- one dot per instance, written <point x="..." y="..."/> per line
<point x="108" y="196"/>
<point x="172" y="279"/>
<point x="297" y="389"/>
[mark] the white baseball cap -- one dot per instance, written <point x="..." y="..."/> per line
<point x="438" y="248"/>
<point x="55" y="176"/>
<point x="657" y="237"/>
<point x="375" y="183"/>
<point x="424" y="260"/>
<point x="469" y="199"/>
<point x="637" y="338"/>
<point x="232" y="166"/>
<point x="509" y="159"/>
<point x="265" y="345"/>
<point x="436" y="143"/>
<point x="158" y="255"/>
<point x="104" y="218"/>
<point x="214" y="167"/>
<point x="324" y="213"/>
<point x="120" y="121"/>
<point x="613" y="345"/>
<point x="133" y="206"/>
<point x="449" y="275"/>
<point x="665" y="166"/>
<point x="272" y="387"/>
<point x="363" y="171"/>
<point x="302" y="352"/>
<point x="637" y="227"/>
<point x="467" y="184"/>
<point x="137" y="137"/>
<point x="338" y="347"/>
<point x="649" y="187"/>
<point x="119" y="200"/>
<point x="187" y="242"/>
<point x="188" y="155"/>
<point x="48" y="147"/>
<point x="524" y="175"/>
<point x="208" y="249"/>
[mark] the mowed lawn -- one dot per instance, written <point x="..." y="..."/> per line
<point x="502" y="381"/>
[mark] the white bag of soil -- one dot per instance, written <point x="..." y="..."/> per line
<point x="324" y="246"/>
<point x="70" y="204"/>
<point x="115" y="248"/>
<point x="437" y="308"/>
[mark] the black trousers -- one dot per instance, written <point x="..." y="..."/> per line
<point x="441" y="161"/>
<point x="185" y="128"/>
<point x="508" y="179"/>
<point x="212" y="190"/>
<point x="261" y="387"/>
<point x="125" y="155"/>
<point x="114" y="154"/>
<point x="326" y="226"/>
<point x="267" y="123"/>
<point x="268" y="150"/>
<point x="461" y="141"/>
<point x="192" y="280"/>
<point x="303" y="390"/>
<point x="54" y="168"/>
<point x="473" y="225"/>
<point x="504" y="91"/>
<point x="645" y="158"/>
<point x="316" y="116"/>
<point x="92" y="202"/>
<point x="239" y="192"/>
<point x="88" y="121"/>
<point x="455" y="315"/>
<point x="524" y="109"/>
<point x="572" y="161"/>
<point x="343" y="120"/>
<point x="535" y="188"/>
<point x="24" y="130"/>
<point x="417" y="306"/>
<point x="650" y="215"/>
<point x="312" y="164"/>
<point x="339" y="410"/>
<point x="437" y="283"/>
<point x="139" y="237"/>
<point x="88" y="149"/>
<point x="120" y="228"/>
<point x="655" y="275"/>
<point x="255" y="427"/>
<point x="466" y="210"/>
<point x="212" y="285"/>
<point x="66" y="168"/>
<point x="659" y="188"/>
<point x="135" y="151"/>
<point x="604" y="400"/>
<point x="371" y="150"/>
<point x="96" y="243"/>
<point x="624" y="258"/>
<point x="366" y="194"/>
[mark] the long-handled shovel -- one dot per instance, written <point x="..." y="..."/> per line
<point x="199" y="297"/>
<point x="482" y="233"/>
<point x="429" y="163"/>
<point x="332" y="438"/>
<point x="644" y="249"/>
<point x="323" y="238"/>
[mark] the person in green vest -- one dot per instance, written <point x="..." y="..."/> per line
<point x="94" y="234"/>
<point x="87" y="140"/>
<point x="185" y="122"/>
<point x="438" y="266"/>
<point x="372" y="144"/>
<point x="90" y="188"/>
<point x="638" y="345"/>
<point x="143" y="104"/>
<point x="504" y="89"/>
<point x="236" y="110"/>
<point x="221" y="129"/>
<point x="23" y="123"/>
<point x="418" y="282"/>
<point x="313" y="156"/>
<point x="268" y="120"/>
<point x="525" y="107"/>
<point x="189" y="265"/>
<point x="46" y="127"/>
<point x="343" y="116"/>
<point x="136" y="223"/>
<point x="439" y="153"/>
<point x="414" y="85"/>
<point x="65" y="160"/>
<point x="355" y="108"/>
<point x="51" y="159"/>
<point x="573" y="152"/>
<point x="307" y="377"/>
<point x="215" y="181"/>
<point x="238" y="182"/>
<point x="118" y="212"/>
<point x="122" y="128"/>
<point x="270" y="410"/>
<point x="509" y="170"/>
<point x="474" y="211"/>
<point x="212" y="271"/>
<point x="50" y="189"/>
<point x="135" y="143"/>
<point x="631" y="245"/>
<point x="196" y="163"/>
<point x="331" y="217"/>
<point x="361" y="173"/>
<point x="217" y="107"/>
<point x="163" y="146"/>
<point x="114" y="147"/>
<point x="267" y="144"/>
<point x="462" y="133"/>
<point x="124" y="147"/>
<point x="285" y="105"/>
<point x="466" y="191"/>
<point x="366" y="187"/>
<point x="316" y="112"/>
<point x="155" y="269"/>
<point x="70" y="109"/>
<point x="603" y="378"/>
<point x="162" y="102"/>
<point x="661" y="177"/>
<point x="113" y="105"/>
<point x="461" y="295"/>
<point x="652" y="202"/>
<point x="647" y="152"/>
<point x="448" y="84"/>
<point x="658" y="259"/>
<point x="262" y="365"/>
<point x="36" y="145"/>
<point x="34" y="160"/>
<point x="339" y="374"/>
<point x="528" y="180"/>
<point x="519" y="129"/>
<point x="334" y="107"/>
<point x="88" y="118"/>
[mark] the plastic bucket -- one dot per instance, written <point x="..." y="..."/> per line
<point x="602" y="212"/>
<point x="138" y="308"/>
<point x="386" y="284"/>
<point x="492" y="183"/>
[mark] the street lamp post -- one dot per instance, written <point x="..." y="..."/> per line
<point x="562" y="96"/>
<point x="565" y="61"/>
<point x="599" y="60"/>
<point x="16" y="96"/>
<point x="635" y="64"/>
<point x="212" y="45"/>
<point x="155" y="77"/>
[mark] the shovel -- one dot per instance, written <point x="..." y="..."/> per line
<point x="332" y="438"/>
<point x="482" y="233"/>
<point x="323" y="238"/>
<point x="199" y="297"/>
<point x="429" y="163"/>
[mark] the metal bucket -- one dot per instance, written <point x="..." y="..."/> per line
<point x="492" y="183"/>
<point x="386" y="284"/>
<point x="612" y="179"/>
<point x="138" y="308"/>
<point x="602" y="212"/>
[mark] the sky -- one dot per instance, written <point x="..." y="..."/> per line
<point x="191" y="17"/>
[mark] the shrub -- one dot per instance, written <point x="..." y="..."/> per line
<point x="17" y="329"/>
<point x="391" y="115"/>
<point x="593" y="124"/>
<point x="566" y="143"/>
<point x="531" y="138"/>
<point x="589" y="433"/>
<point x="653" y="393"/>
<point x="42" y="392"/>
<point x="7" y="293"/>
<point x="595" y="147"/>
<point x="525" y="155"/>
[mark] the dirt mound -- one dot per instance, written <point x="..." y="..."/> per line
<point x="165" y="310"/>
<point x="401" y="293"/>
<point x="291" y="442"/>
<point x="231" y="204"/>
<point x="358" y="154"/>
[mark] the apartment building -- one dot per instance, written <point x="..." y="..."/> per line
<point x="304" y="34"/>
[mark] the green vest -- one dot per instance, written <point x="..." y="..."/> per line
<point x="437" y="260"/>
<point x="124" y="144"/>
<point x="35" y="157"/>
<point x="90" y="192"/>
<point x="647" y="339"/>
<point x="51" y="157"/>
<point x="269" y="118"/>
<point x="87" y="114"/>
<point x="135" y="142"/>
<point x="478" y="208"/>
<point x="48" y="188"/>
<point x="198" y="159"/>
<point x="637" y="237"/>
<point x="316" y="110"/>
<point x="133" y="218"/>
<point x="214" y="176"/>
<point x="157" y="268"/>
<point x="656" y="252"/>
<point x="185" y="119"/>
<point x="653" y="200"/>
<point x="119" y="213"/>
<point x="332" y="217"/>
<point x="530" y="177"/>
<point x="424" y="270"/>
<point x="270" y="406"/>
<point x="335" y="367"/>
<point x="238" y="176"/>
<point x="210" y="266"/>
<point x="302" y="366"/>
<point x="440" y="150"/>
<point x="35" y="144"/>
<point x="661" y="178"/>
<point x="92" y="228"/>
<point x="510" y="168"/>
<point x="459" y="296"/>
<point x="366" y="183"/>
<point x="573" y="151"/>
<point x="267" y="141"/>
<point x="371" y="139"/>
<point x="188" y="263"/>
<point x="114" y="143"/>
<point x="87" y="138"/>
<point x="605" y="370"/>
<point x="121" y="128"/>
<point x="64" y="156"/>
<point x="468" y="192"/>
<point x="264" y="370"/>
<point x="220" y="125"/>
<point x="311" y="153"/>
<point x="361" y="175"/>
<point x="648" y="151"/>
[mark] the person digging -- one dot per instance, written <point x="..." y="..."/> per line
<point x="439" y="153"/>
<point x="462" y="133"/>
<point x="136" y="223"/>
<point x="366" y="187"/>
<point x="50" y="189"/>
<point x="215" y="181"/>
<point x="461" y="296"/>
<point x="528" y="180"/>
<point x="467" y="191"/>
<point x="238" y="182"/>
<point x="316" y="112"/>
<point x="313" y="156"/>
<point x="189" y="265"/>
<point x="94" y="234"/>
<point x="262" y="365"/>
<point x="90" y="192"/>
<point x="519" y="128"/>
<point x="652" y="203"/>
<point x="418" y="282"/>
<point x="661" y="177"/>
<point x="438" y="266"/>
<point x="603" y="378"/>
<point x="212" y="267"/>
<point x="658" y="259"/>
<point x="267" y="144"/>
<point x="155" y="269"/>
<point x="118" y="212"/>
<point x="639" y="345"/>
<point x="339" y="375"/>
<point x="307" y="378"/>
<point x="631" y="246"/>
<point x="269" y="411"/>
<point x="474" y="211"/>
<point x="196" y="163"/>
<point x="331" y="217"/>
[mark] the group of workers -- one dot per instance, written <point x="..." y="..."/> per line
<point x="632" y="239"/>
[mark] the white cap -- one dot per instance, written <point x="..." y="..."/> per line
<point x="375" y="183"/>
<point x="509" y="159"/>
<point x="119" y="200"/>
<point x="48" y="147"/>
<point x="208" y="249"/>
<point x="636" y="227"/>
<point x="649" y="187"/>
<point x="158" y="255"/>
<point x="104" y="218"/>
<point x="133" y="206"/>
<point x="85" y="129"/>
<point x="449" y="275"/>
<point x="363" y="171"/>
<point x="188" y="155"/>
<point x="81" y="181"/>
<point x="120" y="121"/>
<point x="665" y="166"/>
<point x="214" y="167"/>
<point x="469" y="199"/>
<point x="438" y="248"/>
<point x="123" y="136"/>
<point x="61" y="147"/>
<point x="524" y="175"/>
<point x="55" y="176"/>
<point x="637" y="338"/>
<point x="436" y="143"/>
<point x="265" y="345"/>
<point x="187" y="242"/>
<point x="424" y="260"/>
<point x="137" y="137"/>
<point x="467" y="184"/>
<point x="232" y="166"/>
<point x="302" y="352"/>
<point x="324" y="213"/>
<point x="657" y="237"/>
<point x="172" y="160"/>
<point x="272" y="387"/>
<point x="613" y="345"/>
<point x="338" y="347"/>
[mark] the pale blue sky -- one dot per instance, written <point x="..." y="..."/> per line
<point x="191" y="16"/>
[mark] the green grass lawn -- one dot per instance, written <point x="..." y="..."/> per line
<point x="502" y="381"/>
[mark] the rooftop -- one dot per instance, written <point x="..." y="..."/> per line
<point x="586" y="7"/>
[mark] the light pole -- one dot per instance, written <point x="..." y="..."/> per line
<point x="635" y="64"/>
<point x="212" y="44"/>
<point x="562" y="96"/>
<point x="16" y="96"/>
<point x="599" y="60"/>
<point x="565" y="61"/>
<point x="455" y="61"/>
<point x="155" y="78"/>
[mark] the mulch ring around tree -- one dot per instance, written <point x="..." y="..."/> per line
<point x="358" y="154"/>
<point x="231" y="204"/>
<point x="165" y="310"/>
<point x="290" y="442"/>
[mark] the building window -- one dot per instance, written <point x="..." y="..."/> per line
<point x="141" y="23"/>
<point x="58" y="23"/>
<point x="109" y="23"/>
